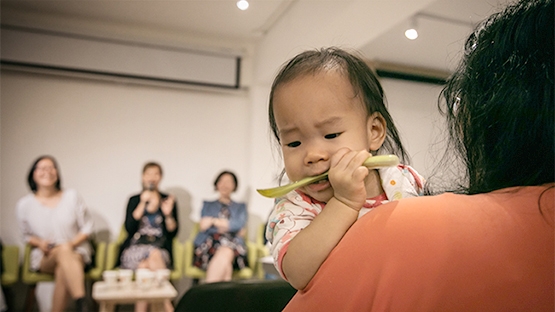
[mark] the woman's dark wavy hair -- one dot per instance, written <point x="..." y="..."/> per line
<point x="31" y="180"/>
<point x="220" y="176"/>
<point x="499" y="103"/>
<point x="362" y="78"/>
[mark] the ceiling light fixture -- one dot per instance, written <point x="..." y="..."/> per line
<point x="411" y="32"/>
<point x="243" y="5"/>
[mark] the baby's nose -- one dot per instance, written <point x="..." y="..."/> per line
<point x="316" y="155"/>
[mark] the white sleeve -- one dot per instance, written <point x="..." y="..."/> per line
<point x="84" y="220"/>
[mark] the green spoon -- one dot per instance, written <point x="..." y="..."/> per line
<point x="371" y="163"/>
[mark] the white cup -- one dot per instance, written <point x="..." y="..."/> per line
<point x="110" y="277"/>
<point x="125" y="277"/>
<point x="145" y="278"/>
<point x="162" y="276"/>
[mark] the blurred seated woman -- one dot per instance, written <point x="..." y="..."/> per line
<point x="220" y="245"/>
<point x="55" y="222"/>
<point x="151" y="225"/>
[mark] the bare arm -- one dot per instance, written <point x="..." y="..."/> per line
<point x="310" y="247"/>
<point x="207" y="222"/>
<point x="167" y="209"/>
<point x="221" y="224"/>
<point x="147" y="198"/>
<point x="308" y="250"/>
<point x="139" y="210"/>
<point x="78" y="239"/>
<point x="40" y="243"/>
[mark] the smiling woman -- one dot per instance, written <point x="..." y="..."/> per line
<point x="56" y="224"/>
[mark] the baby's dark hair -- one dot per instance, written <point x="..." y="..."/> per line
<point x="362" y="78"/>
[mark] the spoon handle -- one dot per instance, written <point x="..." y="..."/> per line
<point x="372" y="163"/>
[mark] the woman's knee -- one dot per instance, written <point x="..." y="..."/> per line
<point x="225" y="252"/>
<point x="63" y="250"/>
<point x="155" y="254"/>
<point x="66" y="254"/>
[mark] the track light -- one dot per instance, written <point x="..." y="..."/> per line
<point x="411" y="32"/>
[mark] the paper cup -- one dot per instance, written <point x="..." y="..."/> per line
<point x="125" y="278"/>
<point x="110" y="277"/>
<point x="162" y="276"/>
<point x="145" y="278"/>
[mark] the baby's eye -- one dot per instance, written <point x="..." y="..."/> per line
<point x="332" y="135"/>
<point x="293" y="144"/>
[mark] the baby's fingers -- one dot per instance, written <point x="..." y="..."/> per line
<point x="356" y="165"/>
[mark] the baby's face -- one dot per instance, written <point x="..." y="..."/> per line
<point x="316" y="115"/>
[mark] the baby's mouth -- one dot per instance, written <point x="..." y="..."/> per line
<point x="319" y="185"/>
<point x="325" y="180"/>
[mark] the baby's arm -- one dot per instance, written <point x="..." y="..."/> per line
<point x="310" y="247"/>
<point x="308" y="250"/>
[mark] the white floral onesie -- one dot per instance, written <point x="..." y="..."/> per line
<point x="296" y="210"/>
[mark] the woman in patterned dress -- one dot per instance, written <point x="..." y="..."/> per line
<point x="220" y="245"/>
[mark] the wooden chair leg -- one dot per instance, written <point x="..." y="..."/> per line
<point x="30" y="298"/>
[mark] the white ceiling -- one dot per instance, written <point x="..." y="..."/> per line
<point x="443" y="25"/>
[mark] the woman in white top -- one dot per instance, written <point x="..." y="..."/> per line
<point x="55" y="222"/>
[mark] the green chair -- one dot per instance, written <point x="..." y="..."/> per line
<point x="10" y="261"/>
<point x="31" y="278"/>
<point x="113" y="252"/>
<point x="196" y="274"/>
<point x="262" y="250"/>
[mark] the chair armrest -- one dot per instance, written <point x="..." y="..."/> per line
<point x="112" y="253"/>
<point x="29" y="277"/>
<point x="95" y="273"/>
<point x="189" y="270"/>
<point x="10" y="258"/>
<point x="178" y="263"/>
<point x="188" y="256"/>
<point x="252" y="254"/>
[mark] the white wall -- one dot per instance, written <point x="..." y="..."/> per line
<point x="102" y="133"/>
<point x="413" y="107"/>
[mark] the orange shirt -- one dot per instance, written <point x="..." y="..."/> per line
<point x="487" y="252"/>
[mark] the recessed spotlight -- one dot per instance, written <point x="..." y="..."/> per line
<point x="243" y="5"/>
<point x="411" y="34"/>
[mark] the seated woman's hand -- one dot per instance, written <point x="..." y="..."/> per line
<point x="205" y="223"/>
<point x="45" y="246"/>
<point x="242" y="233"/>
<point x="167" y="205"/>
<point x="150" y="197"/>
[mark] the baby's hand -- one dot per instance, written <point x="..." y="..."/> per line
<point x="347" y="176"/>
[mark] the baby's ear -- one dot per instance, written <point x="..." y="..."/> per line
<point x="377" y="130"/>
